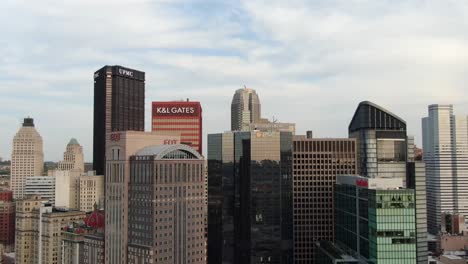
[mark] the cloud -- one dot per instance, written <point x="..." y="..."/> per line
<point x="310" y="61"/>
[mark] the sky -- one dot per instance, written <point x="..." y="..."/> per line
<point x="310" y="61"/>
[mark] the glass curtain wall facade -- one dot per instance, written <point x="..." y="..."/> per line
<point x="378" y="225"/>
<point x="381" y="140"/>
<point x="252" y="221"/>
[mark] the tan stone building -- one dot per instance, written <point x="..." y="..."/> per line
<point x="166" y="217"/>
<point x="27" y="158"/>
<point x="119" y="147"/>
<point x="73" y="158"/>
<point x="91" y="191"/>
<point x="38" y="231"/>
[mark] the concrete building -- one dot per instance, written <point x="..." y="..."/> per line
<point x="250" y="197"/>
<point x="73" y="237"/>
<point x="316" y="164"/>
<point x="119" y="105"/>
<point x="445" y="144"/>
<point x="7" y="220"/>
<point x="38" y="231"/>
<point x="91" y="191"/>
<point x="43" y="186"/>
<point x="73" y="158"/>
<point x="93" y="249"/>
<point x="184" y="117"/>
<point x="166" y="206"/>
<point x="27" y="158"/>
<point x="375" y="220"/>
<point x="245" y="109"/>
<point x="120" y="146"/>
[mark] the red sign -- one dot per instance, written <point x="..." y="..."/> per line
<point x="115" y="137"/>
<point x="362" y="183"/>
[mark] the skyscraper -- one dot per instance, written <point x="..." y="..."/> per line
<point x="119" y="105"/>
<point x="375" y="220"/>
<point x="245" y="109"/>
<point x="381" y="142"/>
<point x="73" y="158"/>
<point x="183" y="117"/>
<point x="316" y="164"/>
<point x="166" y="206"/>
<point x="386" y="151"/>
<point x="250" y="197"/>
<point x="27" y="158"/>
<point x="445" y="152"/>
<point x="120" y="146"/>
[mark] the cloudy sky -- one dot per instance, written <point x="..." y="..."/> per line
<point x="311" y="61"/>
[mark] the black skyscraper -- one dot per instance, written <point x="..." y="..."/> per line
<point x="119" y="105"/>
<point x="250" y="198"/>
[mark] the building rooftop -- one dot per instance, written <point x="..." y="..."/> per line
<point x="169" y="152"/>
<point x="371" y="183"/>
<point x="73" y="141"/>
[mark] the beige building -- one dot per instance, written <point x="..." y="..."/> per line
<point x="166" y="206"/>
<point x="91" y="191"/>
<point x="82" y="190"/>
<point x="73" y="237"/>
<point x="38" y="231"/>
<point x="73" y="158"/>
<point x="119" y="147"/>
<point x="27" y="158"/>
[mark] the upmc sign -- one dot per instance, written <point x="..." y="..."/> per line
<point x="176" y="109"/>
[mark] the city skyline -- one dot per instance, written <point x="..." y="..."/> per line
<point x="415" y="50"/>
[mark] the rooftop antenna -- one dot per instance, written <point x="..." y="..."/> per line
<point x="245" y="87"/>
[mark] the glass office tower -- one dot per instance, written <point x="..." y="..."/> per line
<point x="381" y="141"/>
<point x="249" y="197"/>
<point x="375" y="219"/>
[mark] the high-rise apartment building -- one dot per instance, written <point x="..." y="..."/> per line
<point x="166" y="221"/>
<point x="27" y="158"/>
<point x="250" y="197"/>
<point x="120" y="146"/>
<point x="73" y="158"/>
<point x="7" y="218"/>
<point x="316" y="164"/>
<point x="445" y="145"/>
<point x="38" y="231"/>
<point x="182" y="117"/>
<point x="375" y="221"/>
<point x="381" y="142"/>
<point x="119" y="105"/>
<point x="245" y="109"/>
